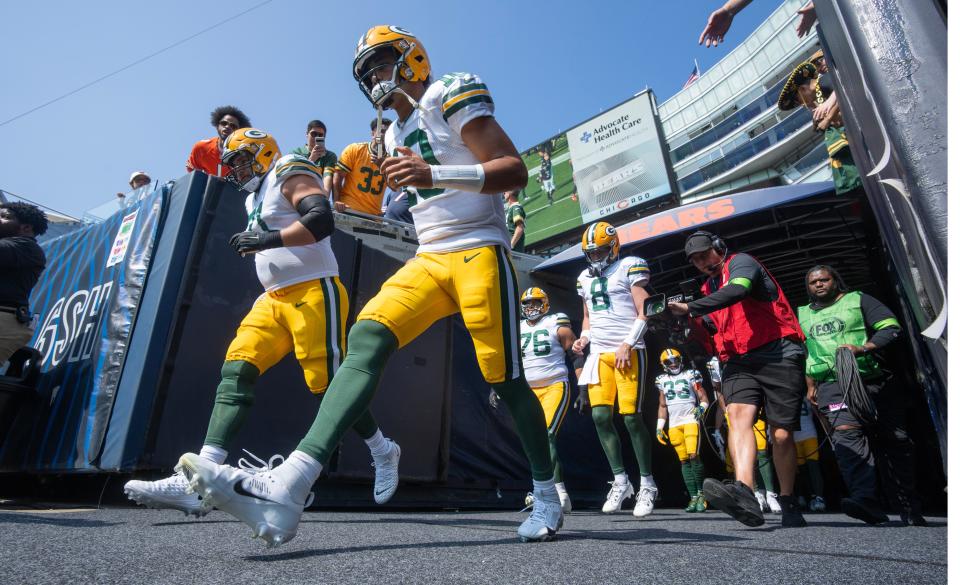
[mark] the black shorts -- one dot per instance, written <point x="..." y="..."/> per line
<point x="778" y="387"/>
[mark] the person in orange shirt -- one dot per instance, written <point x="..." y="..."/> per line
<point x="357" y="183"/>
<point x="205" y="154"/>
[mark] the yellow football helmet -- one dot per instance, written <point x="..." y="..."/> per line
<point x="601" y="246"/>
<point x="409" y="62"/>
<point x="672" y="361"/>
<point x="250" y="153"/>
<point x="534" y="303"/>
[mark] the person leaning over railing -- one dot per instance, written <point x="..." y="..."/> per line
<point x="21" y="263"/>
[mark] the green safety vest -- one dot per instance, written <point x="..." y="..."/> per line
<point x="828" y="328"/>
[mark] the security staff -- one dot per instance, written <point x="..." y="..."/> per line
<point x="837" y="317"/>
<point x="21" y="263"/>
<point x="760" y="344"/>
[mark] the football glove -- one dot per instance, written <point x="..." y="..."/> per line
<point x="582" y="403"/>
<point x="699" y="410"/>
<point x="663" y="437"/>
<point x="255" y="240"/>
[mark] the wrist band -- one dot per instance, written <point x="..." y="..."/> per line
<point x="585" y="333"/>
<point x="463" y="177"/>
<point x="661" y="422"/>
<point x="636" y="332"/>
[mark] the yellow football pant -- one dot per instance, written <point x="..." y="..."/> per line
<point x="554" y="399"/>
<point x="479" y="283"/>
<point x="685" y="440"/>
<point x="623" y="386"/>
<point x="308" y="318"/>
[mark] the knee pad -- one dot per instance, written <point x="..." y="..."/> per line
<point x="370" y="341"/>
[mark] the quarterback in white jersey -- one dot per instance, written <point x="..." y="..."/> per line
<point x="612" y="290"/>
<point x="454" y="160"/>
<point x="682" y="402"/>
<point x="304" y="309"/>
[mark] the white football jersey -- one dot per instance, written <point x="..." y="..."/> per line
<point x="808" y="428"/>
<point x="543" y="362"/>
<point x="609" y="301"/>
<point x="678" y="390"/>
<point x="449" y="219"/>
<point x="268" y="209"/>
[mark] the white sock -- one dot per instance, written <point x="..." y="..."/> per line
<point x="378" y="444"/>
<point x="212" y="453"/>
<point x="621" y="478"/>
<point x="547" y="489"/>
<point x="299" y="472"/>
<point x="647" y="481"/>
<point x="561" y="489"/>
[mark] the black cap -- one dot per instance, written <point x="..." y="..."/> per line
<point x="698" y="242"/>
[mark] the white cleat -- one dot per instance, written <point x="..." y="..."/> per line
<point x="773" y="503"/>
<point x="545" y="520"/>
<point x="645" y="500"/>
<point x="387" y="474"/>
<point x="565" y="502"/>
<point x="761" y="496"/>
<point x="259" y="499"/>
<point x="171" y="493"/>
<point x="615" y="497"/>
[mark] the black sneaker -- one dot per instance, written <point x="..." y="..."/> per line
<point x="791" y="516"/>
<point x="912" y="519"/>
<point x="862" y="510"/>
<point x="735" y="499"/>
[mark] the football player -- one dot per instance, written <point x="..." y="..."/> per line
<point x="449" y="152"/>
<point x="357" y="182"/>
<point x="546" y="176"/>
<point x="682" y="402"/>
<point x="545" y="340"/>
<point x="615" y="371"/>
<point x="304" y="309"/>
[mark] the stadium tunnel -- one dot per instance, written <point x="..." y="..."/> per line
<point x="789" y="229"/>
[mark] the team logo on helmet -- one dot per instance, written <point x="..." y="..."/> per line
<point x="601" y="246"/>
<point x="672" y="361"/>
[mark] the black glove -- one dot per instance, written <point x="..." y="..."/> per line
<point x="493" y="398"/>
<point x="255" y="240"/>
<point x="582" y="403"/>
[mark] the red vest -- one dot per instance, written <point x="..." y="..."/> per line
<point x="750" y="323"/>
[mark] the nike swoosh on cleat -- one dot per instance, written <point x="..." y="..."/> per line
<point x="239" y="489"/>
<point x="469" y="258"/>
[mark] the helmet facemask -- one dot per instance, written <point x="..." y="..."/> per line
<point x="673" y="365"/>
<point x="380" y="90"/>
<point x="243" y="173"/>
<point x="533" y="309"/>
<point x="599" y="258"/>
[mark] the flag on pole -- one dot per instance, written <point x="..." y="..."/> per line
<point x="695" y="75"/>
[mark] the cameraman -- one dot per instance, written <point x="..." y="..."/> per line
<point x="760" y="345"/>
<point x="837" y="317"/>
<point x="21" y="262"/>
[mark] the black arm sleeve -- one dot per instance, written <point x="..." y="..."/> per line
<point x="317" y="215"/>
<point x="877" y="314"/>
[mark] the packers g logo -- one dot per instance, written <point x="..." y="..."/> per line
<point x="610" y="231"/>
<point x="254" y="133"/>
<point x="400" y="31"/>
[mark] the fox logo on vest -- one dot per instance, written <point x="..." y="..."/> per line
<point x="830" y="328"/>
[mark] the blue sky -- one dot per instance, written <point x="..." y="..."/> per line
<point x="548" y="65"/>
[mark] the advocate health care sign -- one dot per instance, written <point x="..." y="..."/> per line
<point x="618" y="159"/>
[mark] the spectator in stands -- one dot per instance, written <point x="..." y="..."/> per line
<point x="21" y="263"/>
<point x="357" y="182"/>
<point x="516" y="217"/>
<point x="760" y="345"/>
<point x="837" y="317"/>
<point x="139" y="179"/>
<point x="205" y="154"/>
<point x="396" y="206"/>
<point x="316" y="150"/>
<point x="720" y="20"/>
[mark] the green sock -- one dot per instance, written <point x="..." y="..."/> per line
<point x="640" y="438"/>
<point x="557" y="469"/>
<point x="766" y="470"/>
<point x="532" y="428"/>
<point x="347" y="399"/>
<point x="816" y="477"/>
<point x="687" y="472"/>
<point x="603" y="420"/>
<point x="233" y="402"/>
<point x="696" y="467"/>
